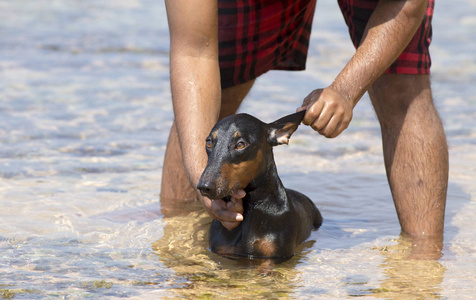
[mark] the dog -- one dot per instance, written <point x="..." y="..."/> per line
<point x="240" y="156"/>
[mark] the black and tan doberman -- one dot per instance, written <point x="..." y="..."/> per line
<point x="240" y="156"/>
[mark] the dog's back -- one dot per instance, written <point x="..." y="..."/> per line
<point x="305" y="207"/>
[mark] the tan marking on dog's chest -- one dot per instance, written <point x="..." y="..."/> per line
<point x="265" y="246"/>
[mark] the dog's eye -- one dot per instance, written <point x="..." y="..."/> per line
<point x="240" y="145"/>
<point x="209" y="144"/>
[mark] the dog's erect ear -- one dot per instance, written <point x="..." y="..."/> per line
<point x="281" y="130"/>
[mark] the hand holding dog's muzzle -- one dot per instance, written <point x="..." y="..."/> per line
<point x="230" y="213"/>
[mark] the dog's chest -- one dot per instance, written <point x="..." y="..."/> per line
<point x="262" y="245"/>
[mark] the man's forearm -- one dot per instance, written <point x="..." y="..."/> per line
<point x="196" y="99"/>
<point x="194" y="76"/>
<point x="388" y="32"/>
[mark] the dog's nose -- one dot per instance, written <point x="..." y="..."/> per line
<point x="205" y="187"/>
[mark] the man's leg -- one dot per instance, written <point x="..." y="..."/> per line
<point x="175" y="187"/>
<point x="416" y="156"/>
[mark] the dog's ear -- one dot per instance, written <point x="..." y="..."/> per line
<point x="281" y="130"/>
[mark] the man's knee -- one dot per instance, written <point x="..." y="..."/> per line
<point x="232" y="97"/>
<point x="394" y="95"/>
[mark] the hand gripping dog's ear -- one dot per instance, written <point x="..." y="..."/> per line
<point x="281" y="130"/>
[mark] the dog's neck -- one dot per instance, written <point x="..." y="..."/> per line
<point x="267" y="187"/>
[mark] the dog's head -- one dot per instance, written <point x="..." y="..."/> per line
<point x="239" y="150"/>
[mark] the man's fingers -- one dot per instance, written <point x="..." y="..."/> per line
<point x="331" y="129"/>
<point x="228" y="216"/>
<point x="230" y="225"/>
<point x="313" y="113"/>
<point x="307" y="100"/>
<point x="229" y="213"/>
<point x="313" y="107"/>
<point x="217" y="205"/>
<point x="340" y="128"/>
<point x="327" y="113"/>
<point x="238" y="194"/>
<point x="229" y="219"/>
<point x="222" y="212"/>
<point x="235" y="205"/>
<point x="322" y="120"/>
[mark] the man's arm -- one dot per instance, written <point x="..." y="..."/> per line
<point x="195" y="83"/>
<point x="388" y="32"/>
<point x="194" y="76"/>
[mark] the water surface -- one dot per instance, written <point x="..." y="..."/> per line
<point x="84" y="117"/>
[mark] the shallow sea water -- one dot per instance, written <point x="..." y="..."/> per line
<point x="84" y="117"/>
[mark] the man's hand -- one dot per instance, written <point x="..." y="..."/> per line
<point x="327" y="112"/>
<point x="228" y="213"/>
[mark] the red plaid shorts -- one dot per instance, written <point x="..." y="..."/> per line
<point x="415" y="59"/>
<point x="256" y="36"/>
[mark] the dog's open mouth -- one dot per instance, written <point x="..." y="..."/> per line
<point x="227" y="198"/>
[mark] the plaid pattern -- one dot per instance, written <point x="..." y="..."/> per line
<point x="415" y="59"/>
<point x="256" y="36"/>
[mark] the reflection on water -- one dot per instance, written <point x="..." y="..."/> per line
<point x="184" y="248"/>
<point x="407" y="278"/>
<point x="200" y="273"/>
